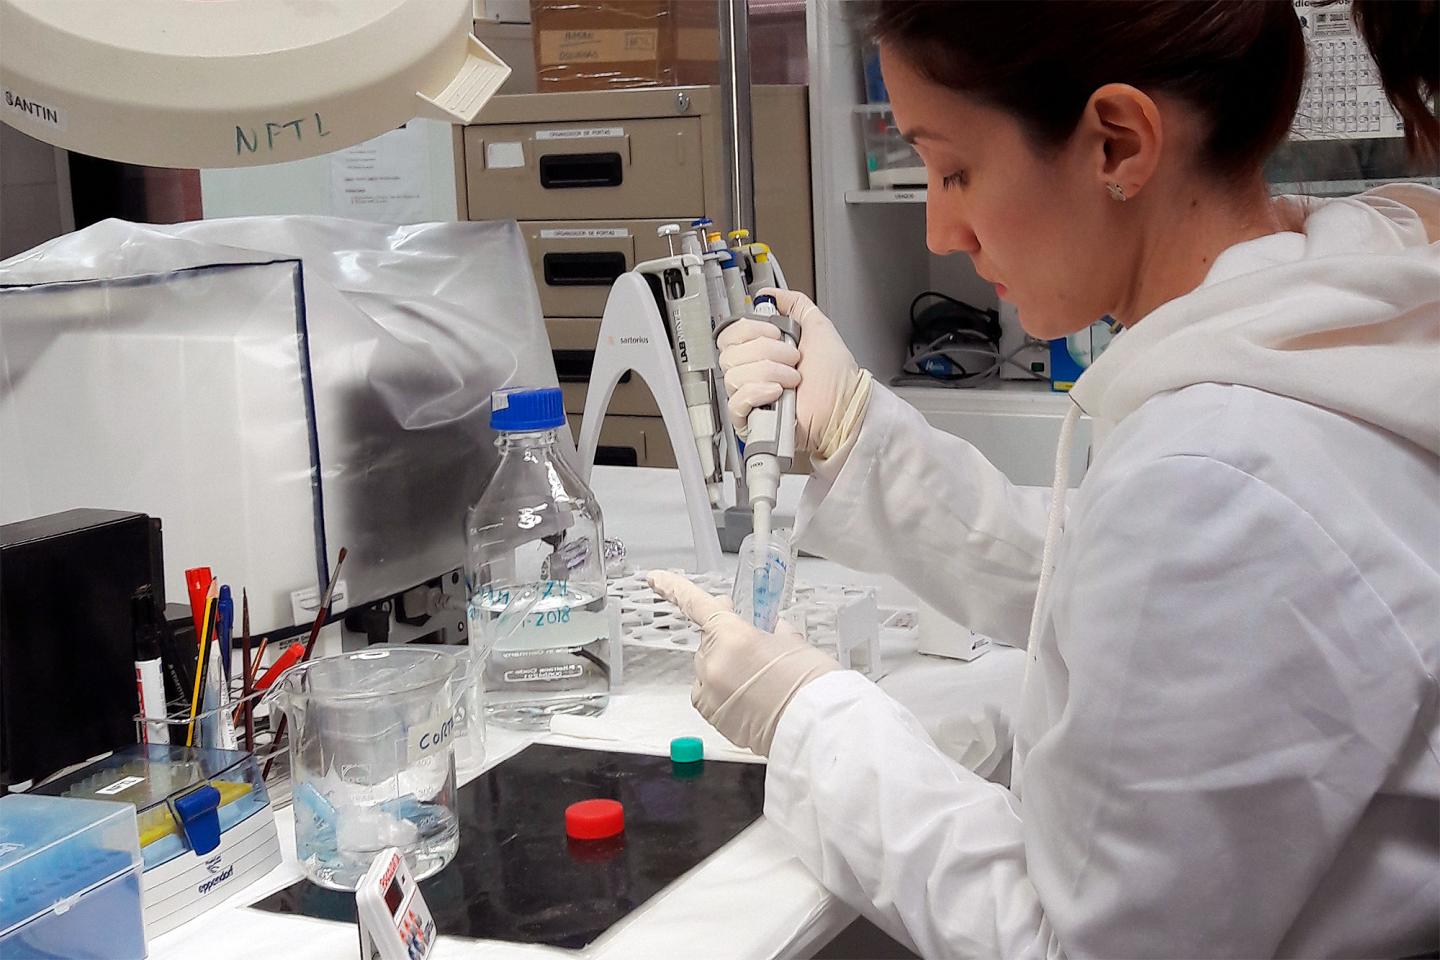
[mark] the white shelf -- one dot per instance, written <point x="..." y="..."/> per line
<point x="1342" y="188"/>
<point x="997" y="396"/>
<point x="1317" y="188"/>
<point x="912" y="195"/>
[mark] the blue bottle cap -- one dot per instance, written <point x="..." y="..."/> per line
<point x="527" y="408"/>
<point x="687" y="749"/>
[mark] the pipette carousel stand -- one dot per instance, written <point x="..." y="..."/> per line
<point x="633" y="338"/>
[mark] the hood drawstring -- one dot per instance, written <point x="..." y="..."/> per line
<point x="1054" y="525"/>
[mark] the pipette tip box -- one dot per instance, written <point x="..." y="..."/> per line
<point x="70" y="879"/>
<point x="205" y="824"/>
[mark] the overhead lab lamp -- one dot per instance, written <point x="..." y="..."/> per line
<point x="234" y="83"/>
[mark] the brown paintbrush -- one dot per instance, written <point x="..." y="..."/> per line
<point x="320" y="617"/>
<point x="245" y="686"/>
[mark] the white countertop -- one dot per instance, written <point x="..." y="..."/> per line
<point x="752" y="898"/>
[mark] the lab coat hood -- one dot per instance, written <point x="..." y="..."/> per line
<point x="1303" y="314"/>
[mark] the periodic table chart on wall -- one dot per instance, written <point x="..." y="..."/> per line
<point x="1342" y="98"/>
<point x="1346" y="137"/>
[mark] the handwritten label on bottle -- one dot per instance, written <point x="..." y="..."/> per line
<point x="430" y="737"/>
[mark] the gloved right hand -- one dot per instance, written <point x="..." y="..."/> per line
<point x="831" y="389"/>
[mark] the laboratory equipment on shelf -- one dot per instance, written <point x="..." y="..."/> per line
<point x="371" y="760"/>
<point x="769" y="449"/>
<point x="679" y="285"/>
<point x="535" y="572"/>
<point x="263" y="81"/>
<point x="891" y="162"/>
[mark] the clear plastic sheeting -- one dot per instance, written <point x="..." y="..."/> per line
<point x="409" y="330"/>
<point x="122" y="395"/>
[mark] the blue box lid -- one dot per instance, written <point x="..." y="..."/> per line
<point x="56" y="848"/>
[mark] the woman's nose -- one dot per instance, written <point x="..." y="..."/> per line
<point x="945" y="234"/>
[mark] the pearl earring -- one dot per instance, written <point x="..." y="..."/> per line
<point x="1117" y="192"/>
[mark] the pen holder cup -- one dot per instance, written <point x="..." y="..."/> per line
<point x="210" y="727"/>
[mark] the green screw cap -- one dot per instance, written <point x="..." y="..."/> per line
<point x="687" y="749"/>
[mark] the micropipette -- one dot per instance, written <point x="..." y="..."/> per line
<point x="694" y="242"/>
<point x="770" y="443"/>
<point x="678" y="282"/>
<point x="754" y="260"/>
<point x="730" y="275"/>
<point x="769" y="449"/>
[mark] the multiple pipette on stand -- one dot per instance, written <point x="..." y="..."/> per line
<point x="660" y="322"/>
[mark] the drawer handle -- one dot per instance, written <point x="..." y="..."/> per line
<point x="672" y="278"/>
<point x="583" y="269"/>
<point x="560" y="171"/>
<point x="617" y="456"/>
<point x="574" y="366"/>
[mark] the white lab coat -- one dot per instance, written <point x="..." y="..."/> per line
<point x="1228" y="742"/>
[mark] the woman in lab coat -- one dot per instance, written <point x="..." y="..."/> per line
<point x="1227" y="743"/>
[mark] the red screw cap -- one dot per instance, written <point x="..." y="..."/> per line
<point x="594" y="819"/>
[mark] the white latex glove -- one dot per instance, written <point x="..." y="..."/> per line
<point x="744" y="677"/>
<point x="831" y="389"/>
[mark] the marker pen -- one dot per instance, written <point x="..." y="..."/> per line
<point x="149" y="678"/>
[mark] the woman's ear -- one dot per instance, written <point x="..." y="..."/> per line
<point x="1123" y="125"/>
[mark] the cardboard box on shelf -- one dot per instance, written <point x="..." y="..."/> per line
<point x="618" y="44"/>
<point x="697" y="41"/>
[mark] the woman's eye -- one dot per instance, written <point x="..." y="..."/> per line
<point x="958" y="179"/>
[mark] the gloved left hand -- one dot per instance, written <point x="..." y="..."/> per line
<point x="744" y="677"/>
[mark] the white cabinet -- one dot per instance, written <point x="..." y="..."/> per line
<point x="1016" y="426"/>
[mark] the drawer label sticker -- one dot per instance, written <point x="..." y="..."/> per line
<point x="588" y="233"/>
<point x="504" y="155"/>
<point x="581" y="133"/>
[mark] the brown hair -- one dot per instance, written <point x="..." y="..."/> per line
<point x="1240" y="62"/>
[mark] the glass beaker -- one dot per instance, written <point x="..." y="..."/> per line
<point x="468" y="740"/>
<point x="371" y="760"/>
